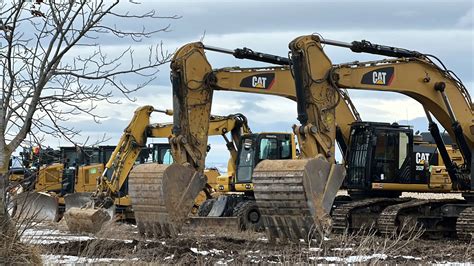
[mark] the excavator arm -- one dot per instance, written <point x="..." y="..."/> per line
<point x="119" y="164"/>
<point x="278" y="81"/>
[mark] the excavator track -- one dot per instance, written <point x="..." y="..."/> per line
<point x="292" y="202"/>
<point x="390" y="221"/>
<point x="387" y="223"/>
<point x="465" y="224"/>
<point x="145" y="189"/>
<point x="342" y="215"/>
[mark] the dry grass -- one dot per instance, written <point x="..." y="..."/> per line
<point x="215" y="245"/>
<point x="211" y="247"/>
<point x="12" y="250"/>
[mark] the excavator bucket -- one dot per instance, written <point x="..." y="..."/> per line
<point x="37" y="206"/>
<point x="87" y="220"/>
<point x="295" y="196"/>
<point x="77" y="200"/>
<point x="162" y="197"/>
<point x="82" y="216"/>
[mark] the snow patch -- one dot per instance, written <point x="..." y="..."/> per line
<point x="341" y="249"/>
<point x="251" y="251"/>
<point x="41" y="236"/>
<point x="205" y="252"/>
<point x="411" y="258"/>
<point x="61" y="259"/>
<point x="224" y="262"/>
<point x="351" y="259"/>
<point x="169" y="257"/>
<point x="48" y="236"/>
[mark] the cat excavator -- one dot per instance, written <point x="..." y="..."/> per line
<point x="114" y="189"/>
<point x="194" y="81"/>
<point x="378" y="162"/>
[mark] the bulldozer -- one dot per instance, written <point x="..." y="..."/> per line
<point x="49" y="175"/>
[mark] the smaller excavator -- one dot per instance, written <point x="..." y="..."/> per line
<point x="115" y="189"/>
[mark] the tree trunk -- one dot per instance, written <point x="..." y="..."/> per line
<point x="5" y="223"/>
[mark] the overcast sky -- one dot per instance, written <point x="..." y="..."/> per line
<point x="442" y="28"/>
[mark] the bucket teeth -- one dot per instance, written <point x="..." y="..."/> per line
<point x="162" y="197"/>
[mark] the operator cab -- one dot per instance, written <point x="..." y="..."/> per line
<point x="255" y="148"/>
<point x="379" y="153"/>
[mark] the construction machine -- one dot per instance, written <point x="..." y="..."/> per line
<point x="235" y="206"/>
<point x="378" y="161"/>
<point x="193" y="83"/>
<point x="88" y="211"/>
<point x="116" y="187"/>
<point x="49" y="175"/>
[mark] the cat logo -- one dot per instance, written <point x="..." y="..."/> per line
<point x="422" y="157"/>
<point x="379" y="78"/>
<point x="382" y="76"/>
<point x="260" y="81"/>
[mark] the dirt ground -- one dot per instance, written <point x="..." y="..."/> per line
<point x="122" y="243"/>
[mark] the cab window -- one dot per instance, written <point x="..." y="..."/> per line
<point x="268" y="149"/>
<point x="285" y="149"/>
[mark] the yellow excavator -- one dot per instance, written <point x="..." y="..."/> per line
<point x="113" y="193"/>
<point x="193" y="84"/>
<point x="379" y="166"/>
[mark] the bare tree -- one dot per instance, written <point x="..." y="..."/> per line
<point x="54" y="65"/>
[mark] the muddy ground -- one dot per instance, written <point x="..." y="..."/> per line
<point x="121" y="243"/>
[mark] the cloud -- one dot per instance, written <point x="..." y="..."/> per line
<point x="440" y="28"/>
<point x="467" y="20"/>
